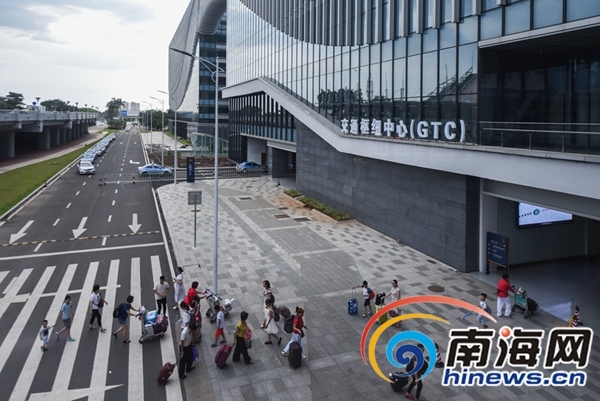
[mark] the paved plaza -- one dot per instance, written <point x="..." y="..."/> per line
<point x="313" y="261"/>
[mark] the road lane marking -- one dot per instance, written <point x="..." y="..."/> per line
<point x="103" y="241"/>
<point x="3" y="275"/>
<point x="68" y="206"/>
<point x="18" y="325"/>
<point x="21" y="233"/>
<point x="79" y="319"/>
<point x="56" y="222"/>
<point x="84" y="183"/>
<point x="116" y="190"/>
<point x="109" y="217"/>
<point x="77" y="193"/>
<point x="37" y="247"/>
<point x="115" y="248"/>
<point x="35" y="356"/>
<point x="113" y="203"/>
<point x="80" y="230"/>
<point x="135" y="384"/>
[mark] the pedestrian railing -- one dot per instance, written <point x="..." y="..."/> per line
<point x="204" y="173"/>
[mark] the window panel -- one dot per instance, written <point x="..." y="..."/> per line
<point x="430" y="74"/>
<point x="414" y="76"/>
<point x="491" y="24"/>
<point x="467" y="30"/>
<point x="578" y="9"/>
<point x="517" y="17"/>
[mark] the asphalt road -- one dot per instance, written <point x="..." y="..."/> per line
<point x="74" y="234"/>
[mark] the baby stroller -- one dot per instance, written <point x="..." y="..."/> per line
<point x="214" y="299"/>
<point x="153" y="324"/>
<point x="524" y="303"/>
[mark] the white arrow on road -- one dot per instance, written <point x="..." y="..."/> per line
<point x="80" y="230"/>
<point x="21" y="233"/>
<point x="132" y="162"/>
<point x="135" y="226"/>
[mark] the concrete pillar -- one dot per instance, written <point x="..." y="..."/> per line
<point x="63" y="135"/>
<point x="54" y="137"/>
<point x="68" y="134"/>
<point x="75" y="130"/>
<point x="7" y="144"/>
<point x="278" y="162"/>
<point x="43" y="139"/>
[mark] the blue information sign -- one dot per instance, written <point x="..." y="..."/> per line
<point x="123" y="113"/>
<point x="497" y="249"/>
<point x="191" y="162"/>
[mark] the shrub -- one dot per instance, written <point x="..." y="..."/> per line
<point x="292" y="192"/>
<point x="325" y="209"/>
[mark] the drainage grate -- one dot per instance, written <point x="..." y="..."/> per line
<point x="301" y="219"/>
<point x="436" y="288"/>
<point x="246" y="198"/>
<point x="281" y="216"/>
<point x="283" y="208"/>
<point x="431" y="261"/>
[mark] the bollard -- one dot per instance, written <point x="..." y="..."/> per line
<point x="438" y="357"/>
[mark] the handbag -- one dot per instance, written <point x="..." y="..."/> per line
<point x="301" y="333"/>
<point x="248" y="344"/>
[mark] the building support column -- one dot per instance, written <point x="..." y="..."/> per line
<point x="277" y="162"/>
<point x="7" y="145"/>
<point x="43" y="139"/>
<point x="63" y="135"/>
<point x="69" y="134"/>
<point x="54" y="137"/>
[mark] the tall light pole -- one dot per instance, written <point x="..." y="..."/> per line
<point x="175" y="134"/>
<point x="216" y="148"/>
<point x="150" y="122"/>
<point x="162" y="128"/>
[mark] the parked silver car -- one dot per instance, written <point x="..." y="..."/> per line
<point x="86" y="167"/>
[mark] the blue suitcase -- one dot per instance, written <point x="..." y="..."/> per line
<point x="353" y="304"/>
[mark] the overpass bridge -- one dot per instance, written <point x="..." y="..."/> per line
<point x="41" y="130"/>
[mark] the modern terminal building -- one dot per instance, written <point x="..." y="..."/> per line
<point x="434" y="122"/>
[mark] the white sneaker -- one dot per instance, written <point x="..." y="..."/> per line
<point x="284" y="353"/>
<point x="303" y="356"/>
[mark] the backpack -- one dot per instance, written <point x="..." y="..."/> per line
<point x="117" y="310"/>
<point x="284" y="311"/>
<point x="288" y="326"/>
<point x="275" y="313"/>
<point x="101" y="302"/>
<point x="371" y="293"/>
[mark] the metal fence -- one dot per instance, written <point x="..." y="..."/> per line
<point x="205" y="173"/>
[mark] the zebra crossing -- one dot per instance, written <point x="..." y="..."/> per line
<point x="95" y="365"/>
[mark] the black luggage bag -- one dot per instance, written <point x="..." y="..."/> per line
<point x="295" y="355"/>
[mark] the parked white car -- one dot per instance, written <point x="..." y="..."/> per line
<point x="85" y="167"/>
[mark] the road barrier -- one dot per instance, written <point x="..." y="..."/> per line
<point x="204" y="173"/>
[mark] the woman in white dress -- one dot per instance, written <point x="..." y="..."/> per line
<point x="271" y="327"/>
<point x="179" y="288"/>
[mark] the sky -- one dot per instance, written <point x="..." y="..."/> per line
<point x="87" y="51"/>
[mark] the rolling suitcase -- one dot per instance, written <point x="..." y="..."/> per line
<point x="295" y="355"/>
<point x="383" y="317"/>
<point x="353" y="304"/>
<point x="165" y="372"/>
<point x="222" y="355"/>
<point x="398" y="382"/>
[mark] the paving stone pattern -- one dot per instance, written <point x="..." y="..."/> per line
<point x="314" y="263"/>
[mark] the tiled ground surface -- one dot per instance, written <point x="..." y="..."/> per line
<point x="314" y="264"/>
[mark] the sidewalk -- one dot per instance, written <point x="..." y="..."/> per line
<point x="312" y="261"/>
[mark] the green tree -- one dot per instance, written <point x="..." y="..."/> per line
<point x="112" y="107"/>
<point x="12" y="101"/>
<point x="55" y="105"/>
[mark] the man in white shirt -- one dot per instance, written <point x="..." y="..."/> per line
<point x="185" y="351"/>
<point x="161" y="289"/>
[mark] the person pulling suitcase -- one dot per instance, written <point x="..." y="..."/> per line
<point x="297" y="335"/>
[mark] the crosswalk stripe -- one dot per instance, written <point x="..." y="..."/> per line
<point x="136" y="376"/>
<point x="166" y="348"/>
<point x="100" y="368"/>
<point x="35" y="355"/>
<point x="17" y="327"/>
<point x="67" y="361"/>
<point x="3" y="275"/>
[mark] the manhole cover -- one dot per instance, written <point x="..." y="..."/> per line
<point x="281" y="216"/>
<point x="436" y="288"/>
<point x="301" y="219"/>
<point x="246" y="198"/>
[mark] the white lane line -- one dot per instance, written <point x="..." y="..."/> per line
<point x="109" y="217"/>
<point x="37" y="248"/>
<point x="68" y="206"/>
<point x="56" y="222"/>
<point x="103" y="241"/>
<point x="116" y="190"/>
<point x="16" y="283"/>
<point x="135" y="378"/>
<point x="77" y="193"/>
<point x="3" y="275"/>
<point x="100" y="365"/>
<point x="166" y="346"/>
<point x="2" y="223"/>
<point x="9" y="286"/>
<point x="44" y="255"/>
<point x="17" y="326"/>
<point x="35" y="355"/>
<point x="113" y="203"/>
<point x="79" y="320"/>
<point x="84" y="183"/>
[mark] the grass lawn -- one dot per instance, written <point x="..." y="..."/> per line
<point x="16" y="184"/>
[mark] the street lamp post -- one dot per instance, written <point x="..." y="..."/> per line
<point x="216" y="149"/>
<point x="175" y="134"/>
<point x="162" y="128"/>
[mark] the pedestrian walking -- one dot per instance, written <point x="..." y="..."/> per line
<point x="416" y="378"/>
<point x="67" y="312"/>
<point x="297" y="331"/>
<point x="196" y="320"/>
<point x="367" y="295"/>
<point x="193" y="294"/>
<point x="267" y="294"/>
<point x="485" y="307"/>
<point x="179" y="291"/>
<point x="239" y="342"/>
<point x="271" y="326"/>
<point x="503" y="299"/>
<point x="396" y="295"/>
<point x="124" y="313"/>
<point x="161" y="289"/>
<point x="44" y="332"/>
<point x="96" y="304"/>
<point x="185" y="352"/>
<point x="185" y="315"/>
<point x="220" y="332"/>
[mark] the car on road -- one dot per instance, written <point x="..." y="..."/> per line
<point x="86" y="167"/>
<point x="154" y="169"/>
<point x="250" y="166"/>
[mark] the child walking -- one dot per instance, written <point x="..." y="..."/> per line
<point x="485" y="307"/>
<point x="44" y="333"/>
<point x="271" y="327"/>
<point x="220" y="332"/>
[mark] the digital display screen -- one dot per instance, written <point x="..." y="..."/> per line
<point x="531" y="215"/>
